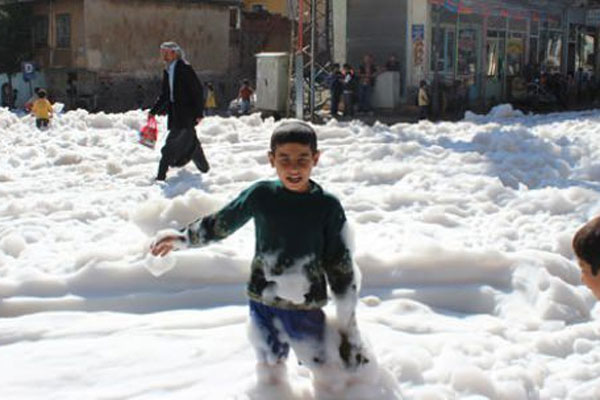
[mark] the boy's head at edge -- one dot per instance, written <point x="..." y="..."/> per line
<point x="293" y="153"/>
<point x="586" y="245"/>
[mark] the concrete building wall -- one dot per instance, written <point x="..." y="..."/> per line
<point x="125" y="36"/>
<point x="377" y="27"/>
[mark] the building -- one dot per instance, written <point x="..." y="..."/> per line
<point x="103" y="54"/>
<point x="479" y="46"/>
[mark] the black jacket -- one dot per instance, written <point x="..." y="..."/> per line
<point x="188" y="96"/>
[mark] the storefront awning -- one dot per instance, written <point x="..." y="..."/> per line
<point x="497" y="9"/>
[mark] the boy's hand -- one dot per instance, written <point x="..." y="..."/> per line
<point x="166" y="241"/>
<point x="163" y="247"/>
<point x="351" y="351"/>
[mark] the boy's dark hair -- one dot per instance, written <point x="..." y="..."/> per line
<point x="294" y="132"/>
<point x="41" y="93"/>
<point x="586" y="244"/>
<point x="246" y="82"/>
<point x="423" y="83"/>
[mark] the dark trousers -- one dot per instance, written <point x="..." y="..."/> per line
<point x="364" y="97"/>
<point x="181" y="147"/>
<point x="423" y="112"/>
<point x="42" y="123"/>
<point x="335" y="102"/>
<point x="348" y="103"/>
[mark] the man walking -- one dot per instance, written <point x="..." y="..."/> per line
<point x="182" y="99"/>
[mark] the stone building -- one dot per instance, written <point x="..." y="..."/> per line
<point x="104" y="54"/>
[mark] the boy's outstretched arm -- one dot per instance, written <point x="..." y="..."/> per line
<point x="208" y="229"/>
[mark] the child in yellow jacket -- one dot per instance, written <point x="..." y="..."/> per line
<point x="210" y="105"/>
<point x="42" y="110"/>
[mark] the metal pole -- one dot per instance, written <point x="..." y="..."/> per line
<point x="300" y="63"/>
<point x="456" y="39"/>
<point x="313" y="26"/>
<point x="505" y="63"/>
<point x="436" y="73"/>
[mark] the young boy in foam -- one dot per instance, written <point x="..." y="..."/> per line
<point x="300" y="250"/>
<point x="586" y="244"/>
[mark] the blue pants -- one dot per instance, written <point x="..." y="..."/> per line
<point x="279" y="329"/>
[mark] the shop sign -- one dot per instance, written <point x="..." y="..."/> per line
<point x="418" y="41"/>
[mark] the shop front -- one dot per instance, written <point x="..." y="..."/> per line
<point x="488" y="51"/>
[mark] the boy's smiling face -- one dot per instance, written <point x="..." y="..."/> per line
<point x="589" y="280"/>
<point x="294" y="163"/>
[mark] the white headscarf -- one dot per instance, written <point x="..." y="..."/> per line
<point x="175" y="47"/>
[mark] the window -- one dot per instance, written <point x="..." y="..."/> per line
<point x="515" y="54"/>
<point x="467" y="52"/>
<point x="533" y="50"/>
<point x="550" y="49"/>
<point x="40" y="31"/>
<point x="495" y="52"/>
<point x="63" y="31"/>
<point x="234" y="18"/>
<point x="584" y="57"/>
<point x="443" y="49"/>
<point x="535" y="28"/>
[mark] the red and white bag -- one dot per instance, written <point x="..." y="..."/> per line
<point x="149" y="133"/>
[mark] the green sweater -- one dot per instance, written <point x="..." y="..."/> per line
<point x="299" y="244"/>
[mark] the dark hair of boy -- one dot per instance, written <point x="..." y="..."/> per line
<point x="586" y="244"/>
<point x="423" y="83"/>
<point x="41" y="93"/>
<point x="294" y="132"/>
<point x="246" y="82"/>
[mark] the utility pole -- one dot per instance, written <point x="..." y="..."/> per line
<point x="311" y="44"/>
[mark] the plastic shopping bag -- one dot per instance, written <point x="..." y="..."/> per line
<point x="149" y="133"/>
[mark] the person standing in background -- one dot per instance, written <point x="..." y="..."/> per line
<point x="42" y="110"/>
<point x="245" y="94"/>
<point x="210" y="105"/>
<point x="423" y="100"/>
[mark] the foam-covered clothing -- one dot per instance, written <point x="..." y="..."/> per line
<point x="300" y="246"/>
<point x="41" y="109"/>
<point x="279" y="329"/>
